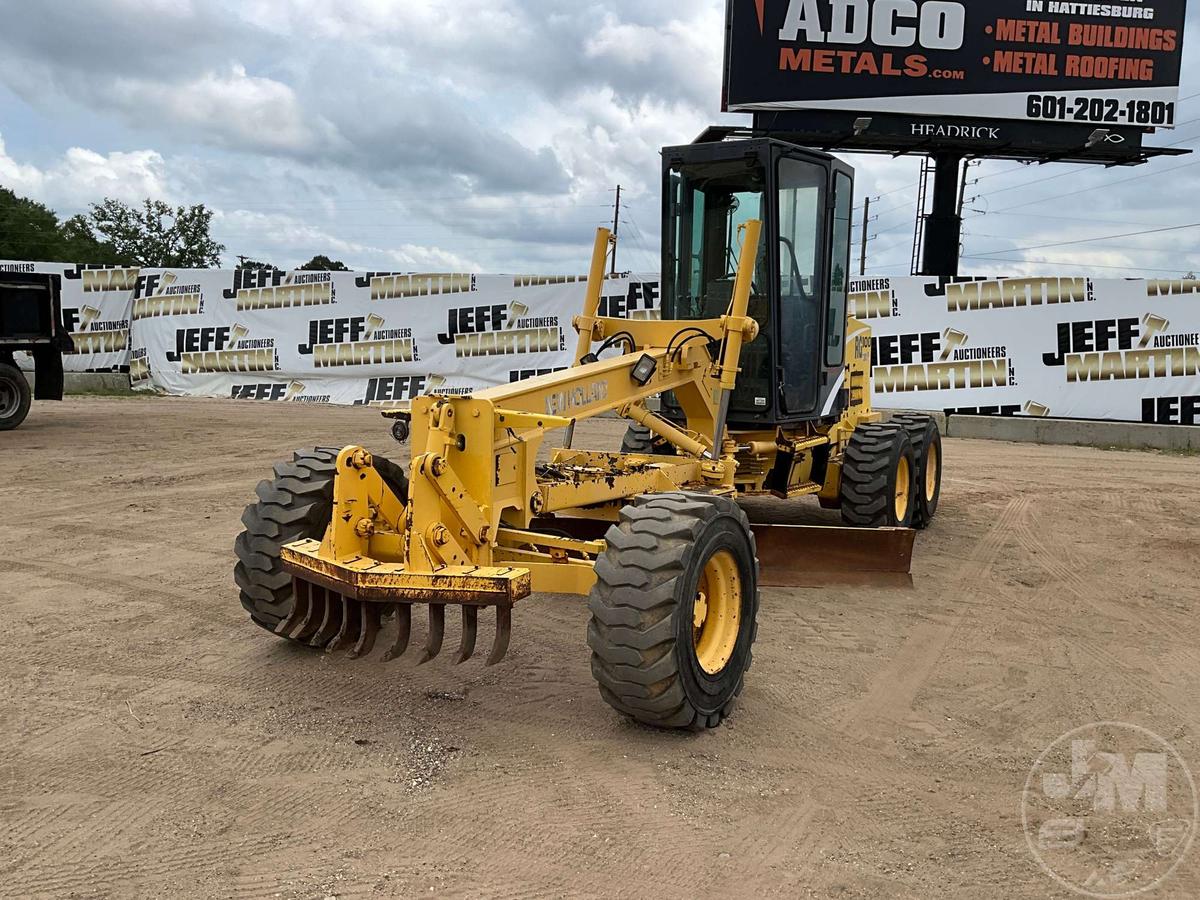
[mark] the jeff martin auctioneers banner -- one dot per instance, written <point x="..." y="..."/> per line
<point x="1064" y="347"/>
<point x="1071" y="347"/>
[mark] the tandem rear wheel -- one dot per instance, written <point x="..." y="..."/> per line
<point x="674" y="610"/>
<point x="892" y="474"/>
<point x="926" y="439"/>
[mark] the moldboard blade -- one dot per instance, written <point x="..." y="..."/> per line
<point x="818" y="556"/>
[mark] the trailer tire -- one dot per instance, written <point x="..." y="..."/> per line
<point x="641" y="440"/>
<point x="926" y="439"/>
<point x="15" y="397"/>
<point x="879" y="478"/>
<point x="295" y="505"/>
<point x="674" y="610"/>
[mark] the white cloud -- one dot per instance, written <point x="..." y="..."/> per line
<point x="230" y="108"/>
<point x="83" y="176"/>
<point x="482" y="134"/>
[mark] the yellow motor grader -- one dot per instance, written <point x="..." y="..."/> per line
<point x="764" y="383"/>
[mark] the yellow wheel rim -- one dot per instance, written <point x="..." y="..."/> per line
<point x="903" y="488"/>
<point x="933" y="462"/>
<point x="717" y="612"/>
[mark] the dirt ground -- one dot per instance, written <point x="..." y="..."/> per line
<point x="153" y="743"/>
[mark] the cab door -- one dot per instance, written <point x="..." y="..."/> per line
<point x="801" y="254"/>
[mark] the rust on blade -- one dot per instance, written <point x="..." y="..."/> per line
<point x="817" y="556"/>
<point x="369" y="581"/>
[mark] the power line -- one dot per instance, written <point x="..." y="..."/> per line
<point x="1090" y="219"/>
<point x="1106" y="187"/>
<point x="1073" y="265"/>
<point x="1107" y="237"/>
<point x="1075" y="171"/>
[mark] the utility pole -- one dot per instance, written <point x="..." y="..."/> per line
<point x="862" y="268"/>
<point x="616" y="229"/>
<point x="962" y="194"/>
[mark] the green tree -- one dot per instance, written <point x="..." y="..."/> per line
<point x="157" y="235"/>
<point x="80" y="244"/>
<point x="28" y="230"/>
<point x="31" y="231"/>
<point x="324" y="264"/>
<point x="254" y="265"/>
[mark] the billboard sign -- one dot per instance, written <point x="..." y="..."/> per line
<point x="1105" y="64"/>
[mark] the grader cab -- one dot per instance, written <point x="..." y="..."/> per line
<point x="764" y="388"/>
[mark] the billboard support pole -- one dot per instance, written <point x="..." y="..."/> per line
<point x="943" y="226"/>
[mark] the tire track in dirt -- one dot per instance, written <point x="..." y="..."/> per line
<point x="111" y="876"/>
<point x="1067" y="578"/>
<point x="889" y="699"/>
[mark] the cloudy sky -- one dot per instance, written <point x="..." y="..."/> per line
<point x="481" y="134"/>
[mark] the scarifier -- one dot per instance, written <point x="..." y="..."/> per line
<point x="764" y="382"/>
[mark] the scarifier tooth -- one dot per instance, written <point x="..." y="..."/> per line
<point x="403" y="632"/>
<point x="331" y="623"/>
<point x="470" y="616"/>
<point x="304" y="622"/>
<point x="437" y="631"/>
<point x="351" y="623"/>
<point x="368" y="630"/>
<point x="300" y="591"/>
<point x="503" y="633"/>
<point x="313" y="616"/>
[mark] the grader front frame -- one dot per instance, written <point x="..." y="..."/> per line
<point x="342" y="540"/>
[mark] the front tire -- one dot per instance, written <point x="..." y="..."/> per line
<point x="674" y="610"/>
<point x="15" y="397"/>
<point x="295" y="505"/>
<point x="879" y="478"/>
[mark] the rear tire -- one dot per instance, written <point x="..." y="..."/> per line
<point x="926" y="439"/>
<point x="879" y="478"/>
<point x="295" y="505"/>
<point x="674" y="610"/>
<point x="641" y="440"/>
<point x="15" y="397"/>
